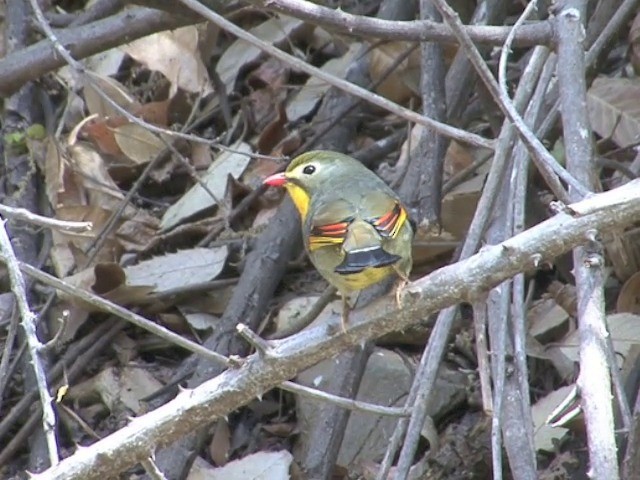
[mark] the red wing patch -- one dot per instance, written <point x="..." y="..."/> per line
<point x="389" y="224"/>
<point x="332" y="230"/>
<point x="331" y="234"/>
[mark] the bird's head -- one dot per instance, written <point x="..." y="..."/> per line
<point x="311" y="173"/>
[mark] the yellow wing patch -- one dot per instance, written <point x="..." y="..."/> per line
<point x="324" y="235"/>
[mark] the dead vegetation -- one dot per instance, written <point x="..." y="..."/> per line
<point x="158" y="310"/>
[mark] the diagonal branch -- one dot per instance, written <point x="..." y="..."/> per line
<point x="355" y="90"/>
<point x="548" y="167"/>
<point x="462" y="281"/>
<point x="40" y="58"/>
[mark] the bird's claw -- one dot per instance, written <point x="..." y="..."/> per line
<point x="344" y="318"/>
<point x="401" y="284"/>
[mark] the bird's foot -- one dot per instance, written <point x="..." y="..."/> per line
<point x="344" y="319"/>
<point x="403" y="281"/>
<point x="398" y="293"/>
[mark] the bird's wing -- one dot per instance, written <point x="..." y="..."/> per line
<point x="379" y="218"/>
<point x="384" y="212"/>
<point x="333" y="220"/>
<point x="330" y="223"/>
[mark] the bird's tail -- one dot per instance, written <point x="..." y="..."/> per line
<point x="362" y="249"/>
<point x="356" y="261"/>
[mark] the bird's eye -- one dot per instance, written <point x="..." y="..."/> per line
<point x="308" y="170"/>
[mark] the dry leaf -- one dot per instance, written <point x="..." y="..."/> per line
<point x="459" y="205"/>
<point x="289" y="315"/>
<point x="404" y="81"/>
<point x="97" y="105"/>
<point x="101" y="65"/>
<point x="263" y="104"/>
<point x="258" y="466"/>
<point x="629" y="297"/>
<point x="546" y="318"/>
<point x="274" y="132"/>
<point x="613" y="109"/>
<point x="634" y="42"/>
<point x="69" y="247"/>
<point x="197" y="199"/>
<point x="457" y="158"/>
<point x="545" y="435"/>
<point x="624" y="329"/>
<point x="99" y="132"/>
<point x="277" y="31"/>
<point x="201" y="320"/>
<point x="138" y="143"/>
<point x="272" y="73"/>
<point x="118" y="387"/>
<point x="156" y="113"/>
<point x="175" y="54"/>
<point x="136" y="229"/>
<point x="178" y="270"/>
<point x="314" y="89"/>
<point x="220" y="445"/>
<point x="100" y="188"/>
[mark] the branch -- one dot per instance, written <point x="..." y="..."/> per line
<point x="35" y="219"/>
<point x="418" y="30"/>
<point x="33" y="343"/>
<point x="548" y="167"/>
<point x="117" y="310"/>
<point x="40" y="58"/>
<point x="463" y="281"/>
<point x="594" y="380"/>
<point x="298" y="64"/>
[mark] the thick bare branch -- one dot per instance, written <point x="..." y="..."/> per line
<point x="463" y="281"/>
<point x="40" y="58"/>
<point x="588" y="261"/>
<point x="420" y="30"/>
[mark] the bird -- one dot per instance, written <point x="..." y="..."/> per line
<point x="356" y="230"/>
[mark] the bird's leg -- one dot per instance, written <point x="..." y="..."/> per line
<point x="403" y="281"/>
<point x="345" y="312"/>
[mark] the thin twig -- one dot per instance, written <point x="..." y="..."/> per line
<point x="498" y="302"/>
<point x="348" y="87"/>
<point x="509" y="413"/>
<point x="123" y="313"/>
<point x="438" y="338"/>
<point x="518" y="193"/>
<point x="549" y="168"/>
<point x="10" y="336"/>
<point x="35" y="219"/>
<point x="253" y="339"/>
<point x="152" y="469"/>
<point x="347" y="403"/>
<point x="29" y="324"/>
<point x="482" y="353"/>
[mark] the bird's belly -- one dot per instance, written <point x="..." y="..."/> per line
<point x="367" y="277"/>
<point x="353" y="282"/>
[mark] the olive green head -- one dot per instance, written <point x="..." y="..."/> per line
<point x="317" y="170"/>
